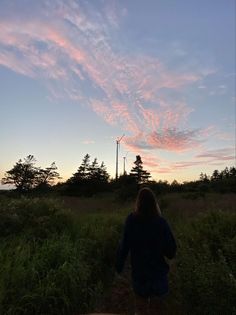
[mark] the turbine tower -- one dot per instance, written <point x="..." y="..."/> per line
<point x="124" y="162"/>
<point x="117" y="149"/>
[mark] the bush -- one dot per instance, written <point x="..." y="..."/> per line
<point x="206" y="267"/>
<point x="34" y="217"/>
<point x="51" y="263"/>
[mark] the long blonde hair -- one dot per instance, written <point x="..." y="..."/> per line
<point x="146" y="204"/>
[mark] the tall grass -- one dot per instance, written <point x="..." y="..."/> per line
<point x="206" y="269"/>
<point x="57" y="261"/>
<point x="49" y="262"/>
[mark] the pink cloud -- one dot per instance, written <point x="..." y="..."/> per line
<point x="173" y="140"/>
<point x="9" y="60"/>
<point x="125" y="90"/>
<point x="152" y="161"/>
<point x="186" y="164"/>
<point x="103" y="110"/>
<point x="88" y="141"/>
<point x="165" y="139"/>
<point x="225" y="154"/>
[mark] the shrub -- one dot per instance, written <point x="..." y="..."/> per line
<point x="206" y="270"/>
<point x="51" y="263"/>
<point x="34" y="217"/>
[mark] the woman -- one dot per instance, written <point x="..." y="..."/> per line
<point x="149" y="239"/>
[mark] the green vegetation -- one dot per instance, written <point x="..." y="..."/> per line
<point x="57" y="256"/>
<point x="51" y="263"/>
<point x="206" y="264"/>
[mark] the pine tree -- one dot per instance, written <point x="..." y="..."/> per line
<point x="141" y="175"/>
<point x="83" y="171"/>
<point x="215" y="175"/>
<point x="104" y="176"/>
<point x="94" y="170"/>
<point x="232" y="172"/>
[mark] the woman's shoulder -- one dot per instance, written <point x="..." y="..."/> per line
<point x="130" y="217"/>
<point x="129" y="220"/>
<point x="162" y="221"/>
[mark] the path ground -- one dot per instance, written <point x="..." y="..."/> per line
<point x="120" y="299"/>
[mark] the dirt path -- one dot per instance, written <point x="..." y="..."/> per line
<point x="120" y="299"/>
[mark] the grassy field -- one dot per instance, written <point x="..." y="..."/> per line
<point x="57" y="255"/>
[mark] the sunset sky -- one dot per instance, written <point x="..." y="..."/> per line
<point x="76" y="75"/>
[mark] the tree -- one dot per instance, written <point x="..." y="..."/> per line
<point x="83" y="171"/>
<point x="138" y="172"/>
<point x="232" y="172"/>
<point x="215" y="175"/>
<point x="26" y="176"/>
<point x="94" y="170"/>
<point x="203" y="178"/>
<point x="47" y="176"/>
<point x="89" y="178"/>
<point x="104" y="176"/>
<point x="22" y="175"/>
<point x="225" y="173"/>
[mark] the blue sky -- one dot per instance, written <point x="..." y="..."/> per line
<point x="75" y="75"/>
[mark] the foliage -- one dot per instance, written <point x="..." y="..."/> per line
<point x="53" y="261"/>
<point x="141" y="176"/>
<point x="206" y="264"/>
<point x="89" y="179"/>
<point x="23" y="174"/>
<point x="26" y="176"/>
<point x="49" y="262"/>
<point x="38" y="218"/>
<point x="126" y="187"/>
<point x="47" y="176"/>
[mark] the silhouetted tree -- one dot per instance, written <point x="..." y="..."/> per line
<point x="82" y="172"/>
<point x="141" y="175"/>
<point x="215" y="175"/>
<point x="232" y="172"/>
<point x="22" y="175"/>
<point x="94" y="170"/>
<point x="175" y="186"/>
<point x="225" y="173"/>
<point x="203" y="178"/>
<point x="46" y="177"/>
<point x="25" y="175"/>
<point x="89" y="178"/>
<point x="103" y="174"/>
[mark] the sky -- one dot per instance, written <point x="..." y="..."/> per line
<point x="76" y="75"/>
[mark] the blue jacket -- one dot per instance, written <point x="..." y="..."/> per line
<point x="149" y="242"/>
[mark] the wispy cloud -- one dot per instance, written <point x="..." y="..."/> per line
<point x="173" y="140"/>
<point x="219" y="154"/>
<point x="69" y="45"/>
<point x="88" y="141"/>
<point x="209" y="158"/>
<point x="165" y="139"/>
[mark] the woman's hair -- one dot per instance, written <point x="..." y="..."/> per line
<point x="146" y="204"/>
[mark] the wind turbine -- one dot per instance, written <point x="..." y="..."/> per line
<point x="125" y="157"/>
<point x="117" y="148"/>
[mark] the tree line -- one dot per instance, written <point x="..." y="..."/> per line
<point x="92" y="177"/>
